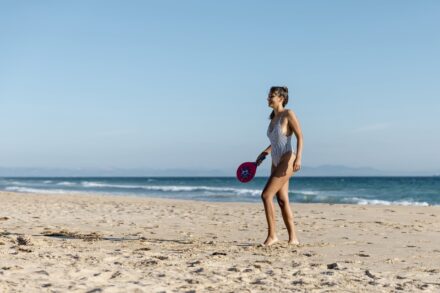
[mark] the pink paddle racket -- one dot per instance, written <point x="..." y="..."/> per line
<point x="246" y="171"/>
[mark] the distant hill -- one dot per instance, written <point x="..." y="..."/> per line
<point x="340" y="170"/>
<point x="324" y="170"/>
<point x="107" y="172"/>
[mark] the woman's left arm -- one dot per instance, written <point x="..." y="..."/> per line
<point x="294" y="123"/>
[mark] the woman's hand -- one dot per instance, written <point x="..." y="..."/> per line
<point x="296" y="164"/>
<point x="261" y="157"/>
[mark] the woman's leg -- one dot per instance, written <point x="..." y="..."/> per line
<point x="277" y="179"/>
<point x="283" y="201"/>
<point x="270" y="212"/>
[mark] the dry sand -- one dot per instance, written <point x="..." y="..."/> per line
<point x="87" y="243"/>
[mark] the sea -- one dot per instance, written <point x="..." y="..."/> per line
<point x="419" y="191"/>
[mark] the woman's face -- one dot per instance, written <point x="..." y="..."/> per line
<point x="274" y="100"/>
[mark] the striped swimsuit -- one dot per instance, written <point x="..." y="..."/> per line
<point x="281" y="143"/>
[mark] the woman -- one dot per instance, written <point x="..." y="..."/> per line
<point x="284" y="162"/>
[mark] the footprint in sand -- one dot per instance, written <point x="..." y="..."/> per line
<point x="371" y="275"/>
<point x="42" y="272"/>
<point x="309" y="254"/>
<point x="259" y="281"/>
<point x="194" y="263"/>
<point x="115" y="275"/>
<point x="361" y="254"/>
<point x="233" y="269"/>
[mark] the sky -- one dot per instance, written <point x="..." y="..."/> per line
<point x="183" y="84"/>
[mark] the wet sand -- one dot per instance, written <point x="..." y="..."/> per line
<point x="88" y="243"/>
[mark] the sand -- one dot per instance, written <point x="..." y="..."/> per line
<point x="100" y="243"/>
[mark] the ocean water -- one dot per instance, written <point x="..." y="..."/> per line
<point x="345" y="190"/>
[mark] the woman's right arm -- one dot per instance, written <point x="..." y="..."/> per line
<point x="268" y="149"/>
<point x="263" y="154"/>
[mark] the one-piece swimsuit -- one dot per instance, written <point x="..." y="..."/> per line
<point x="281" y="143"/>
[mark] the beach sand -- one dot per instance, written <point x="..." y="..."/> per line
<point x="88" y="243"/>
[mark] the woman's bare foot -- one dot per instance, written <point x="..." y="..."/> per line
<point x="293" y="242"/>
<point x="270" y="240"/>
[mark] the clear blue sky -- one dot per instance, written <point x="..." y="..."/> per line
<point x="183" y="84"/>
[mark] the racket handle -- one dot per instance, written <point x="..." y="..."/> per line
<point x="261" y="159"/>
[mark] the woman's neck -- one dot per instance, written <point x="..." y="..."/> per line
<point x="278" y="111"/>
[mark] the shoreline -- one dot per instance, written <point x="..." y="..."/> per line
<point x="378" y="202"/>
<point x="160" y="244"/>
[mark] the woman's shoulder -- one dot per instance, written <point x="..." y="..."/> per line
<point x="290" y="113"/>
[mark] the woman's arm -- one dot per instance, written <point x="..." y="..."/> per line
<point x="268" y="149"/>
<point x="263" y="154"/>
<point x="294" y="123"/>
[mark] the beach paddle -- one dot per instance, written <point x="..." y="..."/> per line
<point x="246" y="171"/>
